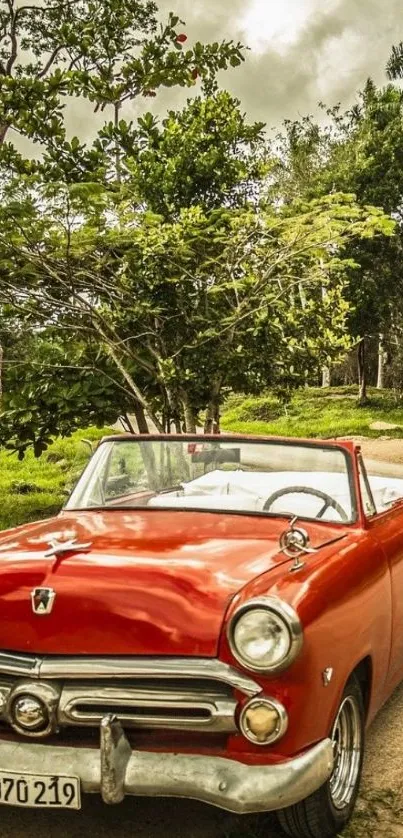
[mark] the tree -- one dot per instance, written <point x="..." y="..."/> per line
<point x="182" y="308"/>
<point x="370" y="161"/>
<point x="205" y="155"/>
<point x="394" y="67"/>
<point x="59" y="385"/>
<point x="182" y="259"/>
<point x="360" y="151"/>
<point x="108" y="51"/>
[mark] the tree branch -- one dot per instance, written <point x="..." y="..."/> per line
<point x="49" y="62"/>
<point x="13" y="37"/>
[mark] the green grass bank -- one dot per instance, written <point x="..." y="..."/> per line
<point x="36" y="488"/>
<point x="329" y="413"/>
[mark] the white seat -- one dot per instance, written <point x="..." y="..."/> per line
<point x="385" y="490"/>
<point x="250" y="490"/>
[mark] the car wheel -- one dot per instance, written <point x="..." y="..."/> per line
<point x="326" y="812"/>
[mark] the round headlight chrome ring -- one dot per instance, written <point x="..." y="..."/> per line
<point x="269" y="704"/>
<point x="282" y="611"/>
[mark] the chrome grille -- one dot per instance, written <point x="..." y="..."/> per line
<point x="166" y="705"/>
<point x="194" y="694"/>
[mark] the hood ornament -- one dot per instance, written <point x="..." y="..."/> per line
<point x="57" y="548"/>
<point x="294" y="543"/>
<point x="42" y="600"/>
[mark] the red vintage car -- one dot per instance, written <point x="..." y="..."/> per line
<point x="217" y="618"/>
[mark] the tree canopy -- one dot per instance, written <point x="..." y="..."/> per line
<point x="359" y="151"/>
<point x="170" y="260"/>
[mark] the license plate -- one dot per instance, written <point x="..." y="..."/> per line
<point x="39" y="790"/>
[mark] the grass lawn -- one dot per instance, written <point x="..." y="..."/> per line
<point x="35" y="488"/>
<point x="315" y="413"/>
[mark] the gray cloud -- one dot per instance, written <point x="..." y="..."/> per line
<point x="339" y="43"/>
<point x="333" y="54"/>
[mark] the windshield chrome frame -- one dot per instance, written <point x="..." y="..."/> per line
<point x="247" y="440"/>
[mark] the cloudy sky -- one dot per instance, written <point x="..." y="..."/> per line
<point x="302" y="51"/>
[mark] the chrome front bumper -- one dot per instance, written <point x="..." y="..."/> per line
<point x="115" y="770"/>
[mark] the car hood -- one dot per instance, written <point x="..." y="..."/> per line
<point x="151" y="583"/>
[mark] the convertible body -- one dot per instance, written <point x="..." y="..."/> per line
<point x="188" y="624"/>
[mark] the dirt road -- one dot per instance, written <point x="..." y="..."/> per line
<point x="136" y="818"/>
<point x="380" y="810"/>
<point x="386" y="450"/>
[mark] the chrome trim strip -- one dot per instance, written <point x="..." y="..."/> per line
<point x="68" y="668"/>
<point x="157" y="668"/>
<point x="116" y="770"/>
<point x="19" y="665"/>
<point x="87" y="706"/>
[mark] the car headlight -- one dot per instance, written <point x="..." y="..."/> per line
<point x="265" y="635"/>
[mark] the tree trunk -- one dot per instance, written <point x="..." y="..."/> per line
<point x="212" y="420"/>
<point x="1" y="374"/>
<point x="326" y="377"/>
<point x="141" y="418"/>
<point x="362" y="373"/>
<point x="174" y="408"/>
<point x="126" y="424"/>
<point x="190" y="418"/>
<point x="217" y="420"/>
<point x="209" y="420"/>
<point x="380" y="383"/>
<point x="3" y="133"/>
<point x="118" y="160"/>
<point x="325" y="370"/>
<point x="133" y="386"/>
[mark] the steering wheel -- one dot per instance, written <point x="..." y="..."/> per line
<point x="307" y="490"/>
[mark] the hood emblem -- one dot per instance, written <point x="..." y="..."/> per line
<point x="56" y="548"/>
<point x="294" y="543"/>
<point x="42" y="600"/>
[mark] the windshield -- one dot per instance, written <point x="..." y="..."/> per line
<point x="278" y="478"/>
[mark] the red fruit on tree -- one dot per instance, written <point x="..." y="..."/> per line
<point x="149" y="93"/>
<point x="195" y="73"/>
<point x="182" y="38"/>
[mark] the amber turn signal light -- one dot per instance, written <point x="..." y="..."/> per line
<point x="263" y="721"/>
